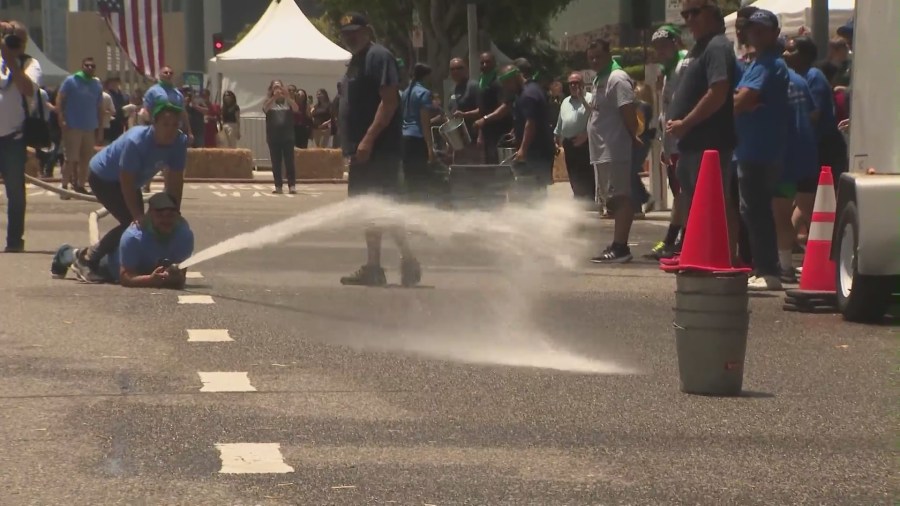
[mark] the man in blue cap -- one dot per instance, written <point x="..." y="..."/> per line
<point x="761" y="114"/>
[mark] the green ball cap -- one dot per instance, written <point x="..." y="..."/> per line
<point x="166" y="106"/>
<point x="508" y="75"/>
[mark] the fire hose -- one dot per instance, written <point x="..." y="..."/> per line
<point x="93" y="217"/>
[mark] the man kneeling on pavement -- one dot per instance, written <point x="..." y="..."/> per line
<point x="148" y="252"/>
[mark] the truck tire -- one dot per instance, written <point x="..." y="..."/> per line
<point x="861" y="299"/>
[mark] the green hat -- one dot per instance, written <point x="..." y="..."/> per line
<point x="165" y="106"/>
<point x="670" y="32"/>
<point x="513" y="72"/>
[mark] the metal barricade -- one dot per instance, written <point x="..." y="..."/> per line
<point x="253" y="137"/>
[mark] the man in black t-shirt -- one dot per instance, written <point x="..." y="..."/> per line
<point x="701" y="114"/>
<point x="530" y="122"/>
<point x="492" y="117"/>
<point x="371" y="133"/>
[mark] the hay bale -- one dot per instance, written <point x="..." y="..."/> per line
<point x="32" y="165"/>
<point x="560" y="174"/>
<point x="217" y="163"/>
<point x="318" y="163"/>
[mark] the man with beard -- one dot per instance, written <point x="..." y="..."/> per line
<point x="493" y="113"/>
<point x="371" y="135"/>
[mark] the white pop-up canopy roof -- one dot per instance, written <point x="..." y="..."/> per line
<point x="795" y="14"/>
<point x="52" y="74"/>
<point x="283" y="45"/>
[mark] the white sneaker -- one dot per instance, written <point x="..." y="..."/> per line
<point x="764" y="284"/>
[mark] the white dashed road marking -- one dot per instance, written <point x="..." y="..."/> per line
<point x="225" y="382"/>
<point x="208" y="336"/>
<point x="252" y="458"/>
<point x="193" y="275"/>
<point x="195" y="299"/>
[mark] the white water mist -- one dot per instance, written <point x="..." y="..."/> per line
<point x="496" y="325"/>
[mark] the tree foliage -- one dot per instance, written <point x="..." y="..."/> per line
<point x="444" y="23"/>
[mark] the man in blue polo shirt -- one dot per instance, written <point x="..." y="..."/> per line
<point x="80" y="109"/>
<point x="122" y="168"/>
<point x="164" y="91"/>
<point x="761" y="115"/>
<point x="148" y="252"/>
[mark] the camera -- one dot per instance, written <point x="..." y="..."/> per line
<point x="13" y="42"/>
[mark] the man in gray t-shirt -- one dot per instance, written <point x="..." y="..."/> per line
<point x="612" y="132"/>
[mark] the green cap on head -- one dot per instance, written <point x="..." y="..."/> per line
<point x="670" y="32"/>
<point x="513" y="72"/>
<point x="166" y="106"/>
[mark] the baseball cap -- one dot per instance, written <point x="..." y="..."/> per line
<point x="669" y="32"/>
<point x="764" y="18"/>
<point x="166" y="106"/>
<point x="353" y="21"/>
<point x="161" y="201"/>
<point x="847" y="29"/>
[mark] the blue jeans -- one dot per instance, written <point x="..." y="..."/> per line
<point x="757" y="183"/>
<point x="12" y="168"/>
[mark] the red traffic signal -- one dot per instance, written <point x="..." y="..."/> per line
<point x="218" y="43"/>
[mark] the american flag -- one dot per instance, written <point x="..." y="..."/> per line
<point x="137" y="26"/>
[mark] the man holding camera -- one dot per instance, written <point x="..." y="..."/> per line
<point x="20" y="77"/>
<point x="148" y="253"/>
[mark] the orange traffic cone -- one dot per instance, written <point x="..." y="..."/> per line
<point x="706" y="247"/>
<point x="818" y="290"/>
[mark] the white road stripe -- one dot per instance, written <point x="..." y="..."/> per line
<point x="252" y="458"/>
<point x="195" y="299"/>
<point x="209" y="336"/>
<point x="193" y="275"/>
<point x="220" y="194"/>
<point x="225" y="382"/>
<point x="227" y="186"/>
<point x="260" y="187"/>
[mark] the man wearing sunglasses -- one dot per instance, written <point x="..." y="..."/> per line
<point x="701" y="114"/>
<point x="571" y="135"/>
<point x="165" y="91"/>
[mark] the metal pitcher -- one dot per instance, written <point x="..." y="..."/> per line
<point x="456" y="134"/>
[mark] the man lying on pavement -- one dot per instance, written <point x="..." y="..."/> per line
<point x="148" y="253"/>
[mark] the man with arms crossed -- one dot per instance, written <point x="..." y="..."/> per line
<point x="371" y="135"/>
<point x="122" y="168"/>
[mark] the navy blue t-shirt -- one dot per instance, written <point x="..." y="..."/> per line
<point x="762" y="131"/>
<point x="531" y="104"/>
<point x="801" y="156"/>
<point x="823" y="100"/>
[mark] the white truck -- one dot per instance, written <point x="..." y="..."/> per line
<point x="866" y="238"/>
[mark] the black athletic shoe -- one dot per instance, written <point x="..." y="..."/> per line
<point x="410" y="272"/>
<point x="367" y="275"/>
<point x="613" y="255"/>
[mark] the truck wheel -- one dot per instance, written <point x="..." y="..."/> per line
<point x="862" y="299"/>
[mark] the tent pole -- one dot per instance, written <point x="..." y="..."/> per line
<point x="820" y="27"/>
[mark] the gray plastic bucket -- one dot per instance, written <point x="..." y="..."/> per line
<point x="711" y="325"/>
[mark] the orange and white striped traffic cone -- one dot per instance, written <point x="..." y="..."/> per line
<point x="818" y="292"/>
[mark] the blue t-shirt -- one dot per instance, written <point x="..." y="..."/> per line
<point x="83" y="99"/>
<point x="801" y="156"/>
<point x="413" y="99"/>
<point x="141" y="252"/>
<point x="157" y="93"/>
<point x="823" y="100"/>
<point x="740" y="66"/>
<point x="761" y="132"/>
<point x="136" y="151"/>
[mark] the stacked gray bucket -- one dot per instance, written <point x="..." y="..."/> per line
<point x="711" y="324"/>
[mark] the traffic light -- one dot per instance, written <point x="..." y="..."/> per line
<point x="218" y="43"/>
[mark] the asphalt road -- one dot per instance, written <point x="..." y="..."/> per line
<point x="504" y="380"/>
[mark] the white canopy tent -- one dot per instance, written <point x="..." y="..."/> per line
<point x="795" y="14"/>
<point x="283" y="45"/>
<point x="52" y="74"/>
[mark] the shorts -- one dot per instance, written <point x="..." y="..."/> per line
<point x="380" y="175"/>
<point x="808" y="185"/>
<point x="688" y="171"/>
<point x="613" y="179"/>
<point x="78" y="145"/>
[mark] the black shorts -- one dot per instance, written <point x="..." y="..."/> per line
<point x="378" y="176"/>
<point x="672" y="176"/>
<point x="833" y="153"/>
<point x="415" y="165"/>
<point x="808" y="185"/>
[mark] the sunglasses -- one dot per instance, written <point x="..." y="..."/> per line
<point x="576" y="83"/>
<point x="90" y="66"/>
<point x="457" y="68"/>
